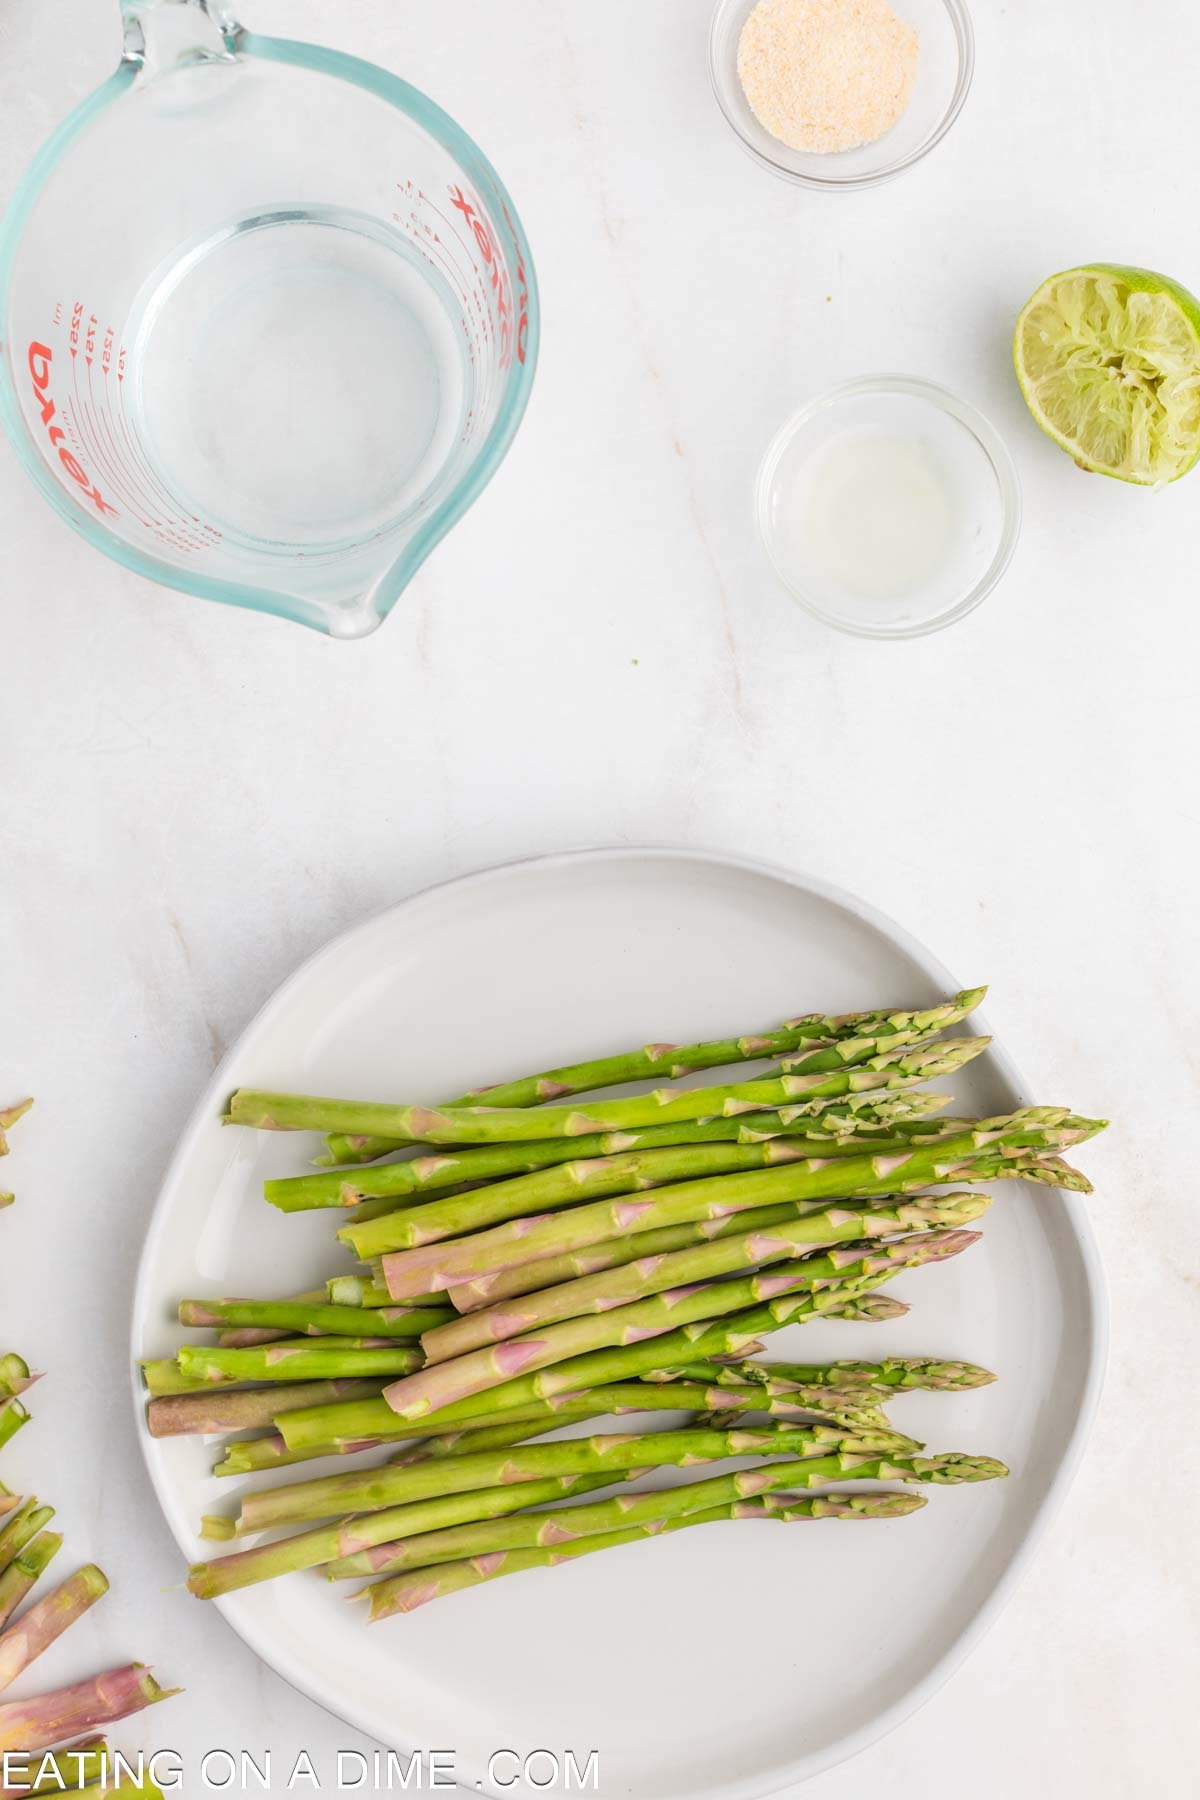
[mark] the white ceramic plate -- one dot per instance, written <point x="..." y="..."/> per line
<point x="728" y="1662"/>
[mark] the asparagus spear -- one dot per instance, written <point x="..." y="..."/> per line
<point x="342" y="1544"/>
<point x="675" y="1060"/>
<point x="309" y="1549"/>
<point x="874" y="1377"/>
<point x="548" y="1528"/>
<point x="323" y="1428"/>
<point x="334" y="1424"/>
<point x="565" y="1185"/>
<point x="313" y="1319"/>
<point x="736" y="1336"/>
<point x="251" y="1455"/>
<point x="981" y="1154"/>
<point x="24" y="1571"/>
<point x="76" y="1766"/>
<point x="164" y="1377"/>
<point x="211" y="1413"/>
<point x="374" y="1208"/>
<point x="517" y="1277"/>
<point x="294" y="1360"/>
<point x="370" y="1490"/>
<point x="493" y="1125"/>
<point x="14" y="1375"/>
<point x="337" y="1426"/>
<point x="28" y="1725"/>
<point x="272" y="1452"/>
<point x="551" y="1271"/>
<point x="614" y="1253"/>
<point x="12" y="1416"/>
<point x="765" y="1243"/>
<point x="242" y="1337"/>
<point x="47" y="1619"/>
<point x="415" y="1395"/>
<point x="404" y="1593"/>
<point x="8" y="1502"/>
<point x="23" y="1526"/>
<point x="721" y="1407"/>
<point x="520" y="1278"/>
<point x="872" y="1116"/>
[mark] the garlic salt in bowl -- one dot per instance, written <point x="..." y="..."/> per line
<point x="888" y="507"/>
<point x="945" y="64"/>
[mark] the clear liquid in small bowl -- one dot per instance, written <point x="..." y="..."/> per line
<point x="881" y="509"/>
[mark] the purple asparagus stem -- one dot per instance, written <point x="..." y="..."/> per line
<point x="48" y="1719"/>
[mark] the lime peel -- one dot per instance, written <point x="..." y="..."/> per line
<point x="1108" y="359"/>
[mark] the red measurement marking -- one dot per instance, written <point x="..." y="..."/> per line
<point x="93" y="427"/>
<point x="91" y="442"/>
<point x="497" y="275"/>
<point x="456" y="237"/>
<point x="455" y="240"/>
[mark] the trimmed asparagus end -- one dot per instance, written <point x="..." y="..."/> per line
<point x="10" y="1114"/>
<point x="218" y="1528"/>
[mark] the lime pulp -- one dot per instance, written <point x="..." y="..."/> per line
<point x="1108" y="359"/>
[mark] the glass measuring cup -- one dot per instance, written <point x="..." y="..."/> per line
<point x="268" y="319"/>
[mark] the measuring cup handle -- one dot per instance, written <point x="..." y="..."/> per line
<point x="161" y="34"/>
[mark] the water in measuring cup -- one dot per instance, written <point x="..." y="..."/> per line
<point x="300" y="380"/>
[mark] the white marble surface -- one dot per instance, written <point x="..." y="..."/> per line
<point x="194" y="799"/>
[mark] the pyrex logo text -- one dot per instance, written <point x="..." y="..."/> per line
<point x="40" y="358"/>
<point x="499" y="280"/>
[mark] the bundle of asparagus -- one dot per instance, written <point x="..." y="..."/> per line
<point x="535" y="1265"/>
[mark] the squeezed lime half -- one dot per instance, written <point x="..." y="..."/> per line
<point x="1108" y="359"/>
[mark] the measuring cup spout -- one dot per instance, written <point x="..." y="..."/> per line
<point x="168" y="34"/>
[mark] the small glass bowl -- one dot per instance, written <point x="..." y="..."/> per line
<point x="945" y="64"/>
<point x="961" y="469"/>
